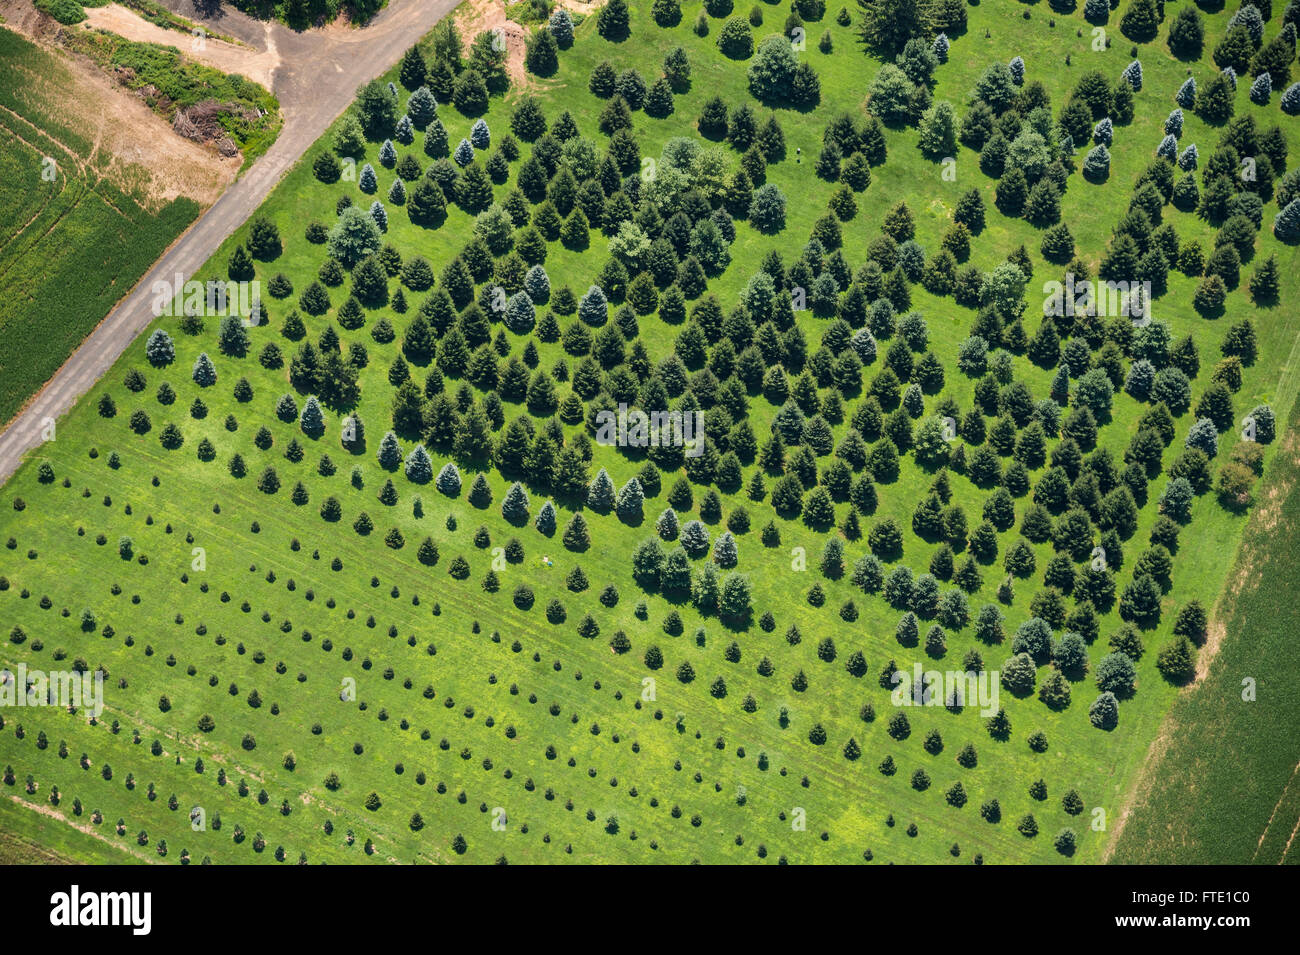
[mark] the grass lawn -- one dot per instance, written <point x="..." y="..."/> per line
<point x="518" y="735"/>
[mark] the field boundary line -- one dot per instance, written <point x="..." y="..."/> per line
<point x="1224" y="605"/>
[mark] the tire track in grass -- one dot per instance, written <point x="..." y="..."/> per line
<point x="145" y="724"/>
<point x="299" y="827"/>
<point x="1278" y="840"/>
<point x="52" y="813"/>
<point x="821" y="765"/>
<point x="22" y="229"/>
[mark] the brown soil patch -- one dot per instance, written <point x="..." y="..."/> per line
<point x="339" y="30"/>
<point x="133" y="148"/>
<point x="257" y="66"/>
<point x="478" y="15"/>
<point x="21" y="17"/>
<point x="1214" y="635"/>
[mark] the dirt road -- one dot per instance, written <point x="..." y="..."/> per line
<point x="317" y="75"/>
<point x="258" y="65"/>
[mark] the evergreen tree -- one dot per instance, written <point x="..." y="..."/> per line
<point x="613" y="21"/>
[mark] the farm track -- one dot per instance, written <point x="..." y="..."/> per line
<point x="317" y="80"/>
<point x="1278" y="850"/>
<point x="18" y="233"/>
<point x="85" y="167"/>
<point x="58" y="816"/>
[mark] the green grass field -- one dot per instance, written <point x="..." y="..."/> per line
<point x="529" y="741"/>
<point x="29" y="837"/>
<point x="72" y="242"/>
<point x="1224" y="788"/>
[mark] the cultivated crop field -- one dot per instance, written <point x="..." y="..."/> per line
<point x="1224" y="789"/>
<point x="73" y="242"/>
<point x="369" y="582"/>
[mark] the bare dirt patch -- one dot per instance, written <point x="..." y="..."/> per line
<point x="1214" y="635"/>
<point x="24" y="18"/>
<point x="138" y="148"/>
<point x="478" y="15"/>
<point x="259" y="66"/>
<point x="132" y="147"/>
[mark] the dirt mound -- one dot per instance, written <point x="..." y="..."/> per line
<point x="201" y="123"/>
